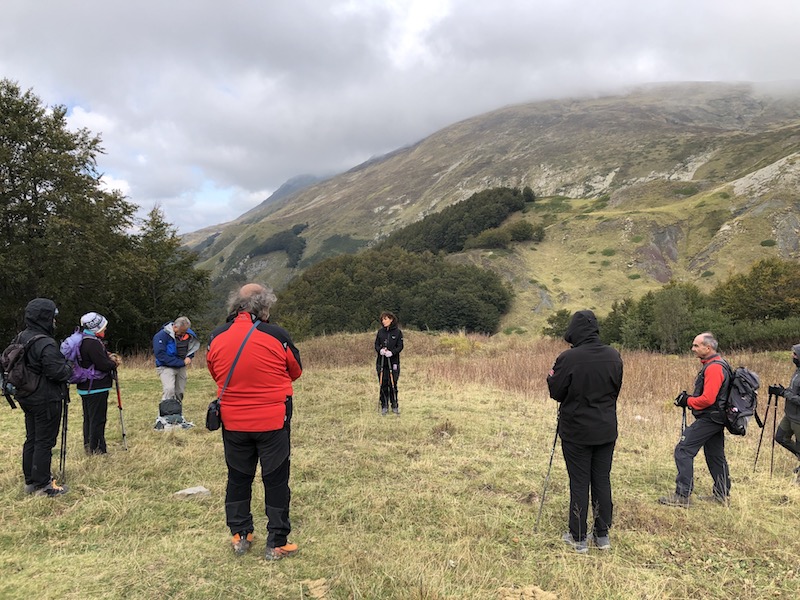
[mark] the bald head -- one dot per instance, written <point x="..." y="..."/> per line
<point x="253" y="298"/>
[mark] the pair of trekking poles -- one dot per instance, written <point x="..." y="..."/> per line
<point x="770" y="399"/>
<point x="62" y="463"/>
<point x="386" y="365"/>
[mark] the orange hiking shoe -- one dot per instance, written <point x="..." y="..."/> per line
<point x="241" y="542"/>
<point x="280" y="552"/>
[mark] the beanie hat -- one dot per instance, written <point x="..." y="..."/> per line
<point x="94" y="322"/>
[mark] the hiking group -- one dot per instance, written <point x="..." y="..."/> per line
<point x="255" y="407"/>
<point x="586" y="380"/>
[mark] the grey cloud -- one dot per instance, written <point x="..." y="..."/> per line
<point x="243" y="95"/>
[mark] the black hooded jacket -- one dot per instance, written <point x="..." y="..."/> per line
<point x="43" y="355"/>
<point x="586" y="380"/>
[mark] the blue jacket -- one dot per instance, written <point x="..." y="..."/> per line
<point x="166" y="350"/>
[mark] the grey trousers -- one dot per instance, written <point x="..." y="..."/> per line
<point x="709" y="435"/>
<point x="173" y="382"/>
<point x="783" y="435"/>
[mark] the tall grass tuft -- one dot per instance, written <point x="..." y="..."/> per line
<point x="438" y="503"/>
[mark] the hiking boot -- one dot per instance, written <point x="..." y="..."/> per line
<point x="51" y="490"/>
<point x="280" y="552"/>
<point x="722" y="500"/>
<point x="396" y="410"/>
<point x="241" y="542"/>
<point x="384" y="411"/>
<point x="601" y="542"/>
<point x="675" y="500"/>
<point x="29" y="488"/>
<point x="580" y="547"/>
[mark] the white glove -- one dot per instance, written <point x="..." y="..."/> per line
<point x="383" y="352"/>
<point x="388" y="353"/>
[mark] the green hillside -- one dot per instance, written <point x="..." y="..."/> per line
<point x="691" y="182"/>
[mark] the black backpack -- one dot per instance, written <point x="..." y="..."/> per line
<point x="742" y="399"/>
<point x="18" y="378"/>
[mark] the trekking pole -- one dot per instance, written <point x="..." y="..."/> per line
<point x="549" y="467"/>
<point x="774" y="426"/>
<point x="392" y="395"/>
<point x="763" y="427"/>
<point x="380" y="384"/>
<point x="62" y="463"/>
<point x="683" y="422"/>
<point x="119" y="405"/>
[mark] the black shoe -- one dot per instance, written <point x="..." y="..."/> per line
<point x="675" y="500"/>
<point x="721" y="500"/>
<point x="51" y="490"/>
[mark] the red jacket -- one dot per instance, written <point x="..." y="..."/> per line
<point x="255" y="399"/>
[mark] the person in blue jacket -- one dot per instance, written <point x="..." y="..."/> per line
<point x="174" y="347"/>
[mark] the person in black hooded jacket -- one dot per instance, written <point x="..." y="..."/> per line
<point x="43" y="406"/>
<point x="586" y="380"/>
<point x="388" y="345"/>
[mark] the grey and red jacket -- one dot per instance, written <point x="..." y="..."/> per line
<point x="586" y="380"/>
<point x="710" y="388"/>
<point x="255" y="399"/>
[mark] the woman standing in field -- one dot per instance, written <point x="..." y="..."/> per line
<point x="586" y="380"/>
<point x="388" y="345"/>
<point x="94" y="392"/>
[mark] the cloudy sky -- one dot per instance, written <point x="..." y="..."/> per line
<point x="205" y="108"/>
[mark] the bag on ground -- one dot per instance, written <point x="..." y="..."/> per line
<point x="742" y="400"/>
<point x="17" y="376"/>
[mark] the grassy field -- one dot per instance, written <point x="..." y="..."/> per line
<point x="437" y="503"/>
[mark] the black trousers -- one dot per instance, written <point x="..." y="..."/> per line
<point x="709" y="435"/>
<point x="243" y="451"/>
<point x="95" y="415"/>
<point x="589" y="469"/>
<point x="41" y="431"/>
<point x="388" y="384"/>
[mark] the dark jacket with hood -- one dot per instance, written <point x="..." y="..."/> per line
<point x="43" y="355"/>
<point x="392" y="339"/>
<point x="586" y="380"/>
<point x="792" y="392"/>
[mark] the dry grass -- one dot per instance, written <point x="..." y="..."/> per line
<point x="437" y="503"/>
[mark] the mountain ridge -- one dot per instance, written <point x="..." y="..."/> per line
<point x="694" y="172"/>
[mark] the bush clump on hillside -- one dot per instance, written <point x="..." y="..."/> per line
<point x="348" y="292"/>
<point x="449" y="229"/>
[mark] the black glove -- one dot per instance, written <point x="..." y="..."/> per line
<point x="776" y="390"/>
<point x="682" y="399"/>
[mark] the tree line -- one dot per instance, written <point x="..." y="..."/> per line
<point x="452" y="228"/>
<point x="348" y="292"/>
<point x="757" y="310"/>
<point x="64" y="236"/>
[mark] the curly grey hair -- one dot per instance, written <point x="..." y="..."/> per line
<point x="254" y="298"/>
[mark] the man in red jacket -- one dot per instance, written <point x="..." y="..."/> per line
<point x="708" y="430"/>
<point x="256" y="411"/>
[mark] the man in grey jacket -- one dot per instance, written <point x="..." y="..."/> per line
<point x="789" y="426"/>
